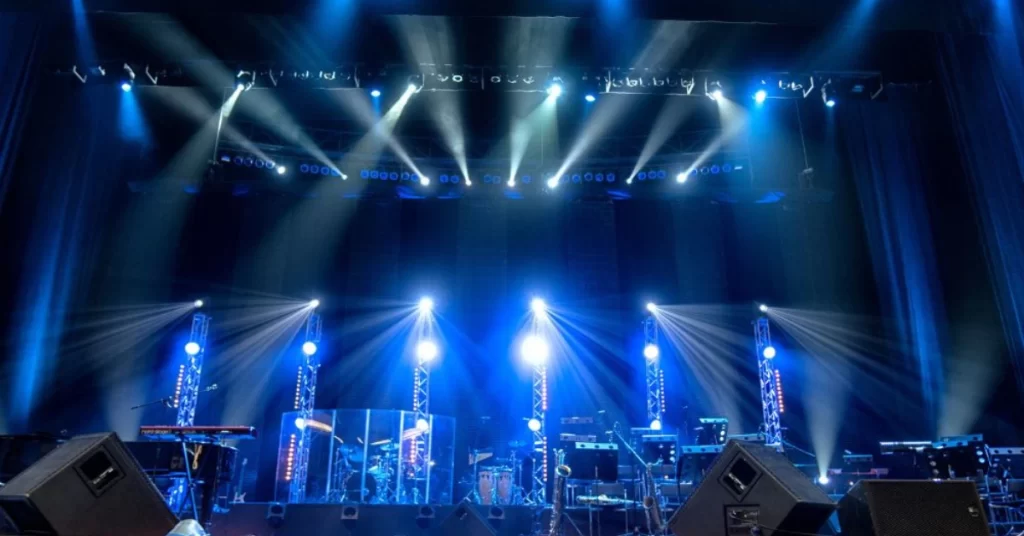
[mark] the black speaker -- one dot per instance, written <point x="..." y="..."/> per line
<point x="466" y="521"/>
<point x="751" y="488"/>
<point x="904" y="507"/>
<point x="90" y="486"/>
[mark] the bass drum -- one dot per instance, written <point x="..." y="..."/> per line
<point x="352" y="488"/>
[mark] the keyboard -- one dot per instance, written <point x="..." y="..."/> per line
<point x="197" y="434"/>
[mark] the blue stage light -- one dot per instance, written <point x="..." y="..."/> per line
<point x="426" y="305"/>
<point x="610" y="177"/>
<point x="590" y="98"/>
<point x="535" y="350"/>
<point x="261" y="164"/>
<point x="661" y="174"/>
<point x="538" y="306"/>
<point x="681" y="177"/>
<point x="656" y="425"/>
<point x="249" y="161"/>
<point x="763" y="308"/>
<point x="651" y="351"/>
<point x="641" y="176"/>
<point x="555" y="90"/>
<point x="393" y="175"/>
<point x="364" y="173"/>
<point x="651" y="307"/>
<point x="576" y="178"/>
<point x="374" y="174"/>
<point x="238" y="160"/>
<point x="443" y="179"/>
<point x="823" y="480"/>
<point x="126" y="87"/>
<point x="375" y="93"/>
<point x="768" y="352"/>
<point x="426" y="351"/>
<point x="830" y="103"/>
<point x="716" y="95"/>
<point x="526" y="179"/>
<point x="760" y="96"/>
<point x="455" y="179"/>
<point x="589" y="177"/>
<point x="313" y="304"/>
<point x="309" y="348"/>
<point x="198" y="304"/>
<point x="715" y="170"/>
<point x="424" y="181"/>
<point x="553" y="183"/>
<point x="422" y="425"/>
<point x="406" y="175"/>
<point x="192" y="348"/>
<point x="281" y="170"/>
<point x="533" y="425"/>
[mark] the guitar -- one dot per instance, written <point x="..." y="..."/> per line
<point x="239" y="494"/>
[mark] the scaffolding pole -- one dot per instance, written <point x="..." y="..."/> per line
<point x="538" y="493"/>
<point x="654" y="376"/>
<point x="770" y="395"/>
<point x="304" y="404"/>
<point x="419" y="453"/>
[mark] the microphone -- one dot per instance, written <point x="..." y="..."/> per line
<point x="212" y="387"/>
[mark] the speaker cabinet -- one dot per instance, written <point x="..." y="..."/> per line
<point x="750" y="487"/>
<point x="905" y="507"/>
<point x="90" y="486"/>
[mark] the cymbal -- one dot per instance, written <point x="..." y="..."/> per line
<point x="516" y="444"/>
<point x="381" y="442"/>
<point x="389" y="447"/>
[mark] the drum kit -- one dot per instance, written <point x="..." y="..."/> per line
<point x="500" y="481"/>
<point x="381" y="467"/>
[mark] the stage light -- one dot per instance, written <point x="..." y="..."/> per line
<point x="511" y="183"/>
<point x="422" y="425"/>
<point x="426" y="351"/>
<point x="309" y="347"/>
<point x="768" y="352"/>
<point x="763" y="308"/>
<point x="681" y="177"/>
<point x="760" y="96"/>
<point x="533" y="425"/>
<point x="828" y="94"/>
<point x="426" y="305"/>
<point x="197" y="304"/>
<point x="424" y="181"/>
<point x="300" y="423"/>
<point x="314" y="303"/>
<point x="830" y="103"/>
<point x="411" y="89"/>
<point x="655" y="425"/>
<point x="651" y="307"/>
<point x="192" y="348"/>
<point x="281" y="170"/>
<point x="538" y="306"/>
<point x="590" y="98"/>
<point x="555" y="90"/>
<point x="553" y="183"/>
<point x="535" y="350"/>
<point x="716" y="94"/>
<point x="375" y="93"/>
<point x="823" y="480"/>
<point x="651" y="351"/>
<point x="126" y="86"/>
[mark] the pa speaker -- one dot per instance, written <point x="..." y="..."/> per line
<point x="902" y="507"/>
<point x="465" y="521"/>
<point x="90" y="486"/>
<point x="753" y="489"/>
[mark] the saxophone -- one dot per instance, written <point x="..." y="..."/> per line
<point x="562" y="472"/>
<point x="651" y="505"/>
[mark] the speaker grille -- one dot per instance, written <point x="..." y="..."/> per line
<point x="906" y="508"/>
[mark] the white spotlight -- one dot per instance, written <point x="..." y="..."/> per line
<point x="314" y="304"/>
<point x="511" y="183"/>
<point x="300" y="423"/>
<point x="197" y="304"/>
<point x="553" y="183"/>
<point x="426" y="305"/>
<point x="538" y="306"/>
<point x="651" y="351"/>
<point x="655" y="425"/>
<point x="424" y="181"/>
<point x="763" y="308"/>
<point x="426" y="351"/>
<point x="411" y="88"/>
<point x="555" y="90"/>
<point x="192" y="348"/>
<point x="533" y="425"/>
<point x="716" y="95"/>
<point x="309" y="347"/>
<point x="535" y="350"/>
<point x="681" y="177"/>
<point x="769" y="352"/>
<point x="823" y="480"/>
<point x="281" y="170"/>
<point x="422" y="425"/>
<point x="651" y="307"/>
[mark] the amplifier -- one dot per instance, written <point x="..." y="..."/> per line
<point x="593" y="461"/>
<point x="574" y="438"/>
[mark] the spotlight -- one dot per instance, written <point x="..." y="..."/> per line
<point x="126" y="86"/>
<point x="244" y="81"/>
<point x="651" y="307"/>
<point x="713" y="90"/>
<point x="760" y="96"/>
<point x="426" y="305"/>
<point x="555" y="90"/>
<point x="375" y="93"/>
<point x="553" y="183"/>
<point x="411" y="88"/>
<point x="590" y="98"/>
<point x="300" y="423"/>
<point x="424" y="181"/>
<point x="535" y="350"/>
<point x="830" y="103"/>
<point x="197" y="304"/>
<point x="716" y="94"/>
<point x="533" y="425"/>
<point x="192" y="348"/>
<point x="281" y="170"/>
<point x="823" y="480"/>
<point x="655" y="425"/>
<point x="426" y="351"/>
<point x="651" y="351"/>
<point x="681" y="177"/>
<point x="763" y="308"/>
<point x="422" y="425"/>
<point x="769" y="352"/>
<point x="538" y="306"/>
<point x="314" y="304"/>
<point x="828" y="94"/>
<point x="309" y="347"/>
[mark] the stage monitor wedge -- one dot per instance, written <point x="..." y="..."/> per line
<point x="750" y="489"/>
<point x="898" y="507"/>
<point x="90" y="486"/>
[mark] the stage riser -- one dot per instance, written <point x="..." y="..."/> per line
<point x="401" y="520"/>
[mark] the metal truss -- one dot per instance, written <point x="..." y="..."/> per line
<point x="654" y="376"/>
<point x="307" y="399"/>
<point x="769" y="380"/>
<point x="419" y="452"/>
<point x="538" y="493"/>
<point x="186" y="392"/>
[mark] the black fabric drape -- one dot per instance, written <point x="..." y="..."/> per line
<point x="20" y="36"/>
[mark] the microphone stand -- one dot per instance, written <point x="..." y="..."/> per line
<point x="166" y="401"/>
<point x="617" y="430"/>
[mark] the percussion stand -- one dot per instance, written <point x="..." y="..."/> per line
<point x="474" y="494"/>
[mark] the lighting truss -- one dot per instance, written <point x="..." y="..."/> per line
<point x="654" y="376"/>
<point x="538" y="493"/>
<point x="186" y="392"/>
<point x="419" y="444"/>
<point x="769" y="380"/>
<point x="306" y="399"/>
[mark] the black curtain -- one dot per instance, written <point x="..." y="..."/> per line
<point x="20" y="36"/>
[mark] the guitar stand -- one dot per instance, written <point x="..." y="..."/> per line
<point x="190" y="484"/>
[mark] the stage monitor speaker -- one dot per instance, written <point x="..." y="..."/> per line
<point x="90" y="486"/>
<point x="753" y="489"/>
<point x="466" y="521"/>
<point x="902" y="507"/>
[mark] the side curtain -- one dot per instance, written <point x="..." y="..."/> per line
<point x="20" y="41"/>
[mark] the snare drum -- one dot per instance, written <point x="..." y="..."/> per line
<point x="485" y="486"/>
<point x="504" y="486"/>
